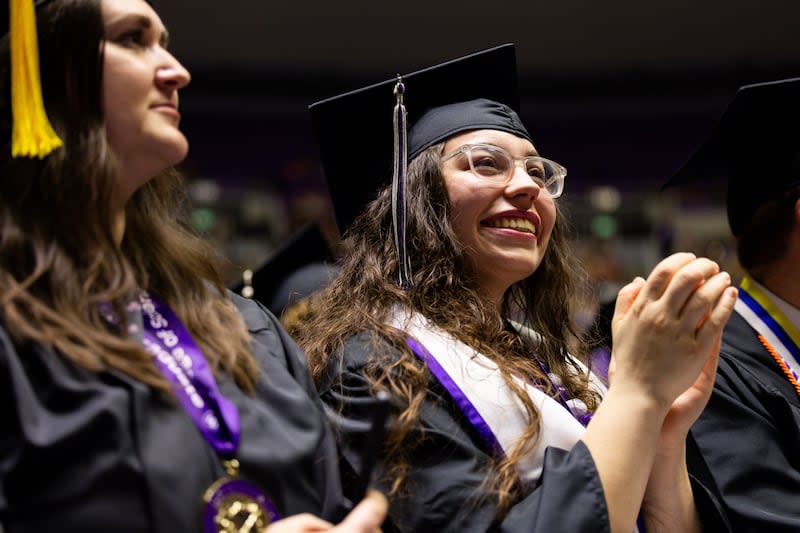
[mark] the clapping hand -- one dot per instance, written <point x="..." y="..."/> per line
<point x="667" y="332"/>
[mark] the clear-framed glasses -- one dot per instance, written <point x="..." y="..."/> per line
<point x="495" y="164"/>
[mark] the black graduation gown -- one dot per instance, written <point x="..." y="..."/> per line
<point x="450" y="463"/>
<point x="750" y="435"/>
<point x="88" y="452"/>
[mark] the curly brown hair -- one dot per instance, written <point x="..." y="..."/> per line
<point x="362" y="296"/>
<point x="58" y="258"/>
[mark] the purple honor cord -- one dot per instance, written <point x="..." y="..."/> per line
<point x="563" y="394"/>
<point x="584" y="419"/>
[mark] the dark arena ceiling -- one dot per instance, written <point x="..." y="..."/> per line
<point x="575" y="48"/>
<point x="621" y="90"/>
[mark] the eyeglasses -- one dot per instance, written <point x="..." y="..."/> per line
<point x="493" y="163"/>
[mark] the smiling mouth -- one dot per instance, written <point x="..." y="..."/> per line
<point x="518" y="224"/>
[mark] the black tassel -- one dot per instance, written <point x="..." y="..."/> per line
<point x="399" y="205"/>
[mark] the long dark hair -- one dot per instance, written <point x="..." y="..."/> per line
<point x="58" y="258"/>
<point x="446" y="293"/>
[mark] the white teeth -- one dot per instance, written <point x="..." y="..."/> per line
<point x="519" y="224"/>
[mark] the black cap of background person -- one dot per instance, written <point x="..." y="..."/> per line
<point x="755" y="146"/>
<point x="298" y="268"/>
<point x="355" y="131"/>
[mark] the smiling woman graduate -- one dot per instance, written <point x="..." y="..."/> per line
<point x="136" y="393"/>
<point x="454" y="297"/>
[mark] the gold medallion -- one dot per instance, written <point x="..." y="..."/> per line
<point x="233" y="505"/>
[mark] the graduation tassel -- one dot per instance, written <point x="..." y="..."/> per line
<point x="399" y="185"/>
<point x="31" y="134"/>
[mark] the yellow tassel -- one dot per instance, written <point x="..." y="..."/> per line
<point x="31" y="134"/>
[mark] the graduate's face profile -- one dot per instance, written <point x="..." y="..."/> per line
<point x="141" y="80"/>
<point x="504" y="227"/>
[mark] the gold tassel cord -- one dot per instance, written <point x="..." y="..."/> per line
<point x="32" y="134"/>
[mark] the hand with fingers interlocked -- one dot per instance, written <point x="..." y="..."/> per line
<point x="667" y="331"/>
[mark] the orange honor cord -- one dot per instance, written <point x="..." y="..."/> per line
<point x="778" y="359"/>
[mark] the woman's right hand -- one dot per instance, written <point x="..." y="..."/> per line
<point x="665" y="328"/>
<point x="366" y="517"/>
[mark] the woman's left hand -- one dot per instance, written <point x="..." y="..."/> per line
<point x="687" y="407"/>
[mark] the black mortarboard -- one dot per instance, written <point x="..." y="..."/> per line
<point x="754" y="145"/>
<point x="355" y="130"/>
<point x="299" y="267"/>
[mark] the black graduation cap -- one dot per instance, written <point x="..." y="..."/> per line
<point x="355" y="132"/>
<point x="754" y="145"/>
<point x="299" y="267"/>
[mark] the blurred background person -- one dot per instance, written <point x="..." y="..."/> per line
<point x="750" y="431"/>
<point x="290" y="277"/>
